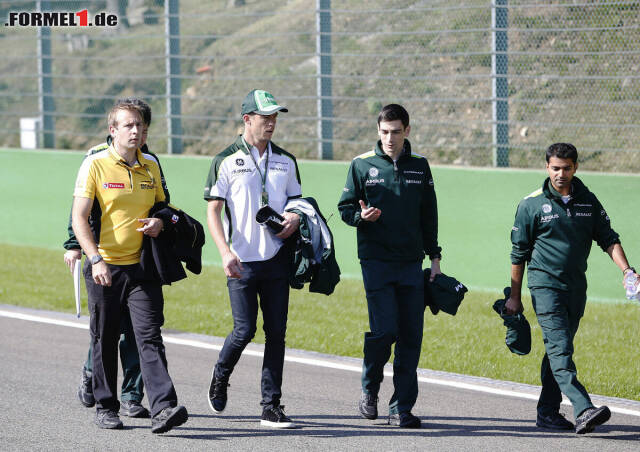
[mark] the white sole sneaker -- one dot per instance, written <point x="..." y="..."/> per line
<point x="271" y="424"/>
<point x="209" y="394"/>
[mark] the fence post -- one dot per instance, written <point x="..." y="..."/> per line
<point x="173" y="85"/>
<point x="500" y="90"/>
<point x="323" y="85"/>
<point x="45" y="83"/>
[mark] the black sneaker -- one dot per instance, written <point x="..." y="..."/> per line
<point x="368" y="406"/>
<point x="108" y="419"/>
<point x="555" y="421"/>
<point x="168" y="418"/>
<point x="85" y="390"/>
<point x="592" y="417"/>
<point x="404" y="420"/>
<point x="133" y="408"/>
<point x="275" y="417"/>
<point x="217" y="396"/>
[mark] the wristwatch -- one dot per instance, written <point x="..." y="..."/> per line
<point x="95" y="259"/>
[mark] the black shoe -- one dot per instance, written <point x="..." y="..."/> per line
<point x="132" y="408"/>
<point x="368" y="406"/>
<point x="275" y="417"/>
<point x="555" y="421"/>
<point x="168" y="418"/>
<point x="404" y="420"/>
<point x="217" y="393"/>
<point x="108" y="419"/>
<point x="592" y="417"/>
<point x="85" y="390"/>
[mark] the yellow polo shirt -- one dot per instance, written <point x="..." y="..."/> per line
<point x="125" y="194"/>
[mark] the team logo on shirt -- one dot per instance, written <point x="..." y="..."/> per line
<point x="239" y="162"/>
<point x="546" y="208"/>
<point x="147" y="185"/>
<point x="373" y="172"/>
<point x="112" y="185"/>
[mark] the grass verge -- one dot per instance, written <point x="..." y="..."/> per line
<point x="472" y="342"/>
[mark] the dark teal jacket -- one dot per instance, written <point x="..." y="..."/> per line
<point x="555" y="238"/>
<point x="404" y="192"/>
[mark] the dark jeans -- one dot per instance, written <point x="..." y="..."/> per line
<point x="106" y="306"/>
<point x="267" y="280"/>
<point x="559" y="313"/>
<point x="132" y="388"/>
<point x="395" y="298"/>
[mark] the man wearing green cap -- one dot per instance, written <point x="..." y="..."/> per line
<point x="390" y="198"/>
<point x="553" y="232"/>
<point x="249" y="174"/>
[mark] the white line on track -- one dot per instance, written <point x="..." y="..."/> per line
<point x="170" y="339"/>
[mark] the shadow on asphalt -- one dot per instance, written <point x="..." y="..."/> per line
<point x="330" y="426"/>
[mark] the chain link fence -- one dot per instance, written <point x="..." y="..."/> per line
<point x="486" y="82"/>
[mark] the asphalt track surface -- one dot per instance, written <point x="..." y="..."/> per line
<point x="40" y="369"/>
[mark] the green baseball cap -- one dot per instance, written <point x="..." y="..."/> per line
<point x="518" y="338"/>
<point x="444" y="293"/>
<point x="261" y="102"/>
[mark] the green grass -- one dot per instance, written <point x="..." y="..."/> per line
<point x="476" y="210"/>
<point x="472" y="342"/>
<point x="476" y="213"/>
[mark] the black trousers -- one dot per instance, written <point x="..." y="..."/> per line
<point x="106" y="306"/>
<point x="132" y="389"/>
<point x="267" y="280"/>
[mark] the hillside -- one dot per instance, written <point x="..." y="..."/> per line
<point x="572" y="76"/>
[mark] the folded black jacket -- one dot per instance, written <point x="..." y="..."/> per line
<point x="181" y="240"/>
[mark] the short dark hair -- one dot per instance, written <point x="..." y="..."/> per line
<point x="562" y="151"/>
<point x="142" y="106"/>
<point x="393" y="112"/>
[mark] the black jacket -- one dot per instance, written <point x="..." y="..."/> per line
<point x="181" y="241"/>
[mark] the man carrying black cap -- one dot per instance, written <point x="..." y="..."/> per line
<point x="390" y="198"/>
<point x="553" y="232"/>
<point x="250" y="174"/>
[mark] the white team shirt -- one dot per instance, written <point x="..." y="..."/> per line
<point x="239" y="183"/>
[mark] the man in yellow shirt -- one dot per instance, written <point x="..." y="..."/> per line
<point x="126" y="184"/>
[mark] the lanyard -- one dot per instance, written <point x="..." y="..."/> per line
<point x="264" y="198"/>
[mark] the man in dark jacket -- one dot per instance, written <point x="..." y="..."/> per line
<point x="390" y="198"/>
<point x="553" y="231"/>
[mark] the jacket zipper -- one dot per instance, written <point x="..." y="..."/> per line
<point x="395" y="170"/>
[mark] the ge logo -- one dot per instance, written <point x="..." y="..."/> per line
<point x="373" y="172"/>
<point x="546" y="208"/>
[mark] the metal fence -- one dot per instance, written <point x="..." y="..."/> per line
<point x="486" y="82"/>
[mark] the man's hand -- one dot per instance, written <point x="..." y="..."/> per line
<point x="624" y="276"/>
<point x="232" y="265"/>
<point x="291" y="223"/>
<point x="435" y="269"/>
<point x="101" y="274"/>
<point x="71" y="256"/>
<point x="513" y="306"/>
<point x="152" y="226"/>
<point x="369" y="213"/>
